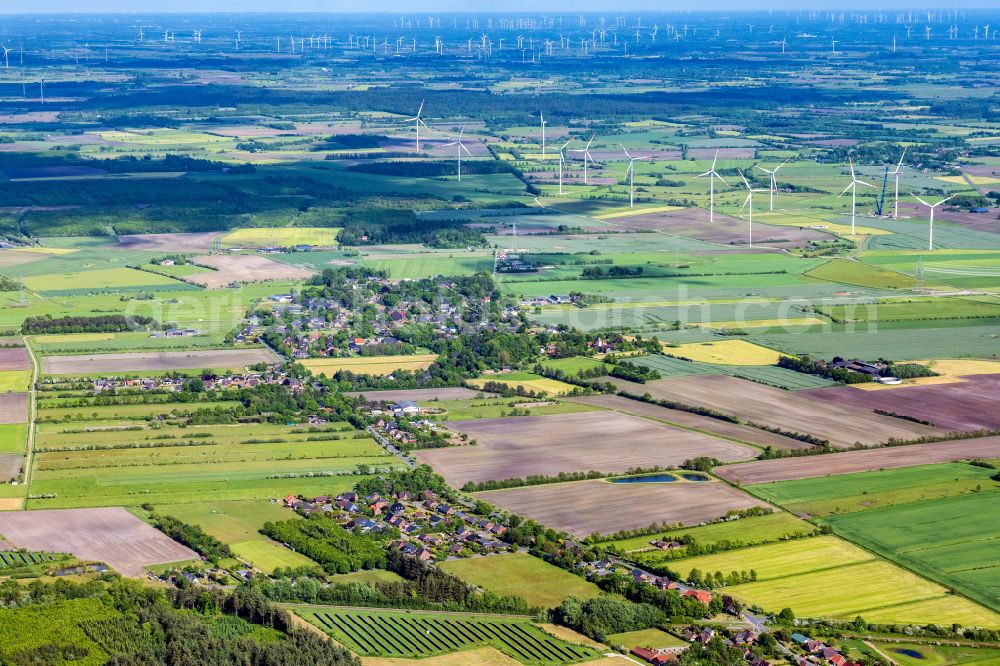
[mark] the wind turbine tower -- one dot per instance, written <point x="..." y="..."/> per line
<point x="562" y="161"/>
<point x="586" y="157"/>
<point x="853" y="187"/>
<point x="748" y="203"/>
<point x="418" y="121"/>
<point x="774" y="182"/>
<point x="459" y="149"/>
<point x="631" y="176"/>
<point x="712" y="175"/>
<point x="930" y="231"/>
<point x="896" y="174"/>
<point x="541" y="119"/>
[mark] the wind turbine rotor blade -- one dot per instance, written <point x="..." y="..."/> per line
<point x="847" y="189"/>
<point x="722" y="179"/>
<point x="861" y="182"/>
<point x="626" y="152"/>
<point x="465" y="149"/>
<point x="702" y="175"/>
<point x="851" y="163"/>
<point x="945" y="199"/>
<point x="780" y="165"/>
<point x="761" y="168"/>
<point x="714" y="160"/>
<point x="745" y="181"/>
<point x="900" y="163"/>
<point x="920" y="200"/>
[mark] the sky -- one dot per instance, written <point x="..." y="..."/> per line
<point x="422" y="6"/>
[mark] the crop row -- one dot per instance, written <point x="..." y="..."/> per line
<point x="402" y="636"/>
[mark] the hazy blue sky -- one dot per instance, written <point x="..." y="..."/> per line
<point x="420" y="6"/>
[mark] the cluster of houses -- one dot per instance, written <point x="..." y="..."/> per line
<point x="602" y="568"/>
<point x="819" y="653"/>
<point x="429" y="528"/>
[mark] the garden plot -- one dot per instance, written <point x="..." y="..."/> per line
<point x="583" y="508"/>
<point x="110" y="535"/>
<point x="516" y="447"/>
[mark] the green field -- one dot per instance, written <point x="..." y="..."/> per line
<point x="982" y="307"/>
<point x="862" y="275"/>
<point x="415" y="635"/>
<point x="15" y="381"/>
<point x="489" y="408"/>
<point x="106" y="279"/>
<point x="541" y="583"/>
<point x="281" y="236"/>
<point x="827" y="577"/>
<point x="753" y="530"/>
<point x="572" y="365"/>
<point x="13" y="437"/>
<point x="846" y="493"/>
<point x="669" y="366"/>
<point x="178" y="464"/>
<point x="648" y="638"/>
<point x="953" y="540"/>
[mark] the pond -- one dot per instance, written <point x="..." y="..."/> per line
<point x="913" y="654"/>
<point x="695" y="477"/>
<point x="648" y="478"/>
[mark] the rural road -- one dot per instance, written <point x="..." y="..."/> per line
<point x="32" y="409"/>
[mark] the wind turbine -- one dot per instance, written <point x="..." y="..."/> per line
<point x="541" y="119"/>
<point x="631" y="176"/>
<point x="562" y="160"/>
<point x="853" y="187"/>
<point x="586" y="157"/>
<point x="896" y="174"/>
<point x="418" y="121"/>
<point x="774" y="182"/>
<point x="748" y="202"/>
<point x="6" y="51"/>
<point x="712" y="175"/>
<point x="459" y="149"/>
<point x="930" y="233"/>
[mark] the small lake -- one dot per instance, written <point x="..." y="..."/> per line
<point x="913" y="654"/>
<point x="648" y="478"/>
<point x="695" y="477"/>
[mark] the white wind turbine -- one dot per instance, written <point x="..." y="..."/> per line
<point x="541" y="119"/>
<point x="896" y="174"/>
<point x="930" y="232"/>
<point x="459" y="149"/>
<point x="853" y="187"/>
<point x="712" y="175"/>
<point x="586" y="157"/>
<point x="631" y="176"/>
<point x="418" y="121"/>
<point x="774" y="182"/>
<point x="6" y="51"/>
<point x="748" y="202"/>
<point x="562" y="161"/>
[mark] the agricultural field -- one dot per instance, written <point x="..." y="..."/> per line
<point x="280" y="237"/>
<point x="515" y="447"/>
<point x="950" y="540"/>
<point x="724" y="429"/>
<point x="413" y="635"/>
<point x="583" y="508"/>
<point x="13" y="408"/>
<point x="846" y="462"/>
<point x="541" y="583"/>
<point x="753" y="530"/>
<point x="726" y="352"/>
<point x="960" y="405"/>
<point x="841" y="425"/>
<point x="111" y="535"/>
<point x="232" y="269"/>
<point x="525" y="380"/>
<point x="670" y="366"/>
<point x="859" y="274"/>
<point x="105" y="364"/>
<point x="826" y="576"/>
<point x="107" y="280"/>
<point x="417" y="395"/>
<point x="847" y="493"/>
<point x="368" y="365"/>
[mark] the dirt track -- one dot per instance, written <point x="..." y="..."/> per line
<point x="516" y="447"/>
<point x="111" y="535"/>
<point x="785" y="469"/>
<point x="584" y="507"/>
